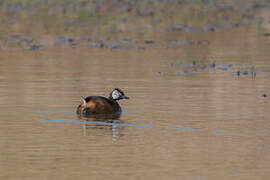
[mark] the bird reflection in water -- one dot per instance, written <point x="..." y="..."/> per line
<point x="106" y="122"/>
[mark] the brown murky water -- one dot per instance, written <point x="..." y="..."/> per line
<point x="207" y="124"/>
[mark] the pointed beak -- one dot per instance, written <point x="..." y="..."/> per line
<point x="125" y="97"/>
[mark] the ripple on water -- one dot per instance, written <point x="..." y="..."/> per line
<point x="54" y="111"/>
<point x="96" y="122"/>
<point x="176" y="127"/>
<point x="219" y="132"/>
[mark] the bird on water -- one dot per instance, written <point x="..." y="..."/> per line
<point x="95" y="105"/>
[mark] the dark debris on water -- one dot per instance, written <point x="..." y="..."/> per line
<point x="35" y="47"/>
<point x="112" y="43"/>
<point x="33" y="43"/>
<point x="201" y="65"/>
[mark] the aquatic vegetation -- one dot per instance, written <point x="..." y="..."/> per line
<point x="105" y="17"/>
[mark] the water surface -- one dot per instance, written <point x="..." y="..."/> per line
<point x="211" y="124"/>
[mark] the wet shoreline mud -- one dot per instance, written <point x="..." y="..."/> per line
<point x="120" y="25"/>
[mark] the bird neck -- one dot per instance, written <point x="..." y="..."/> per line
<point x="111" y="98"/>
